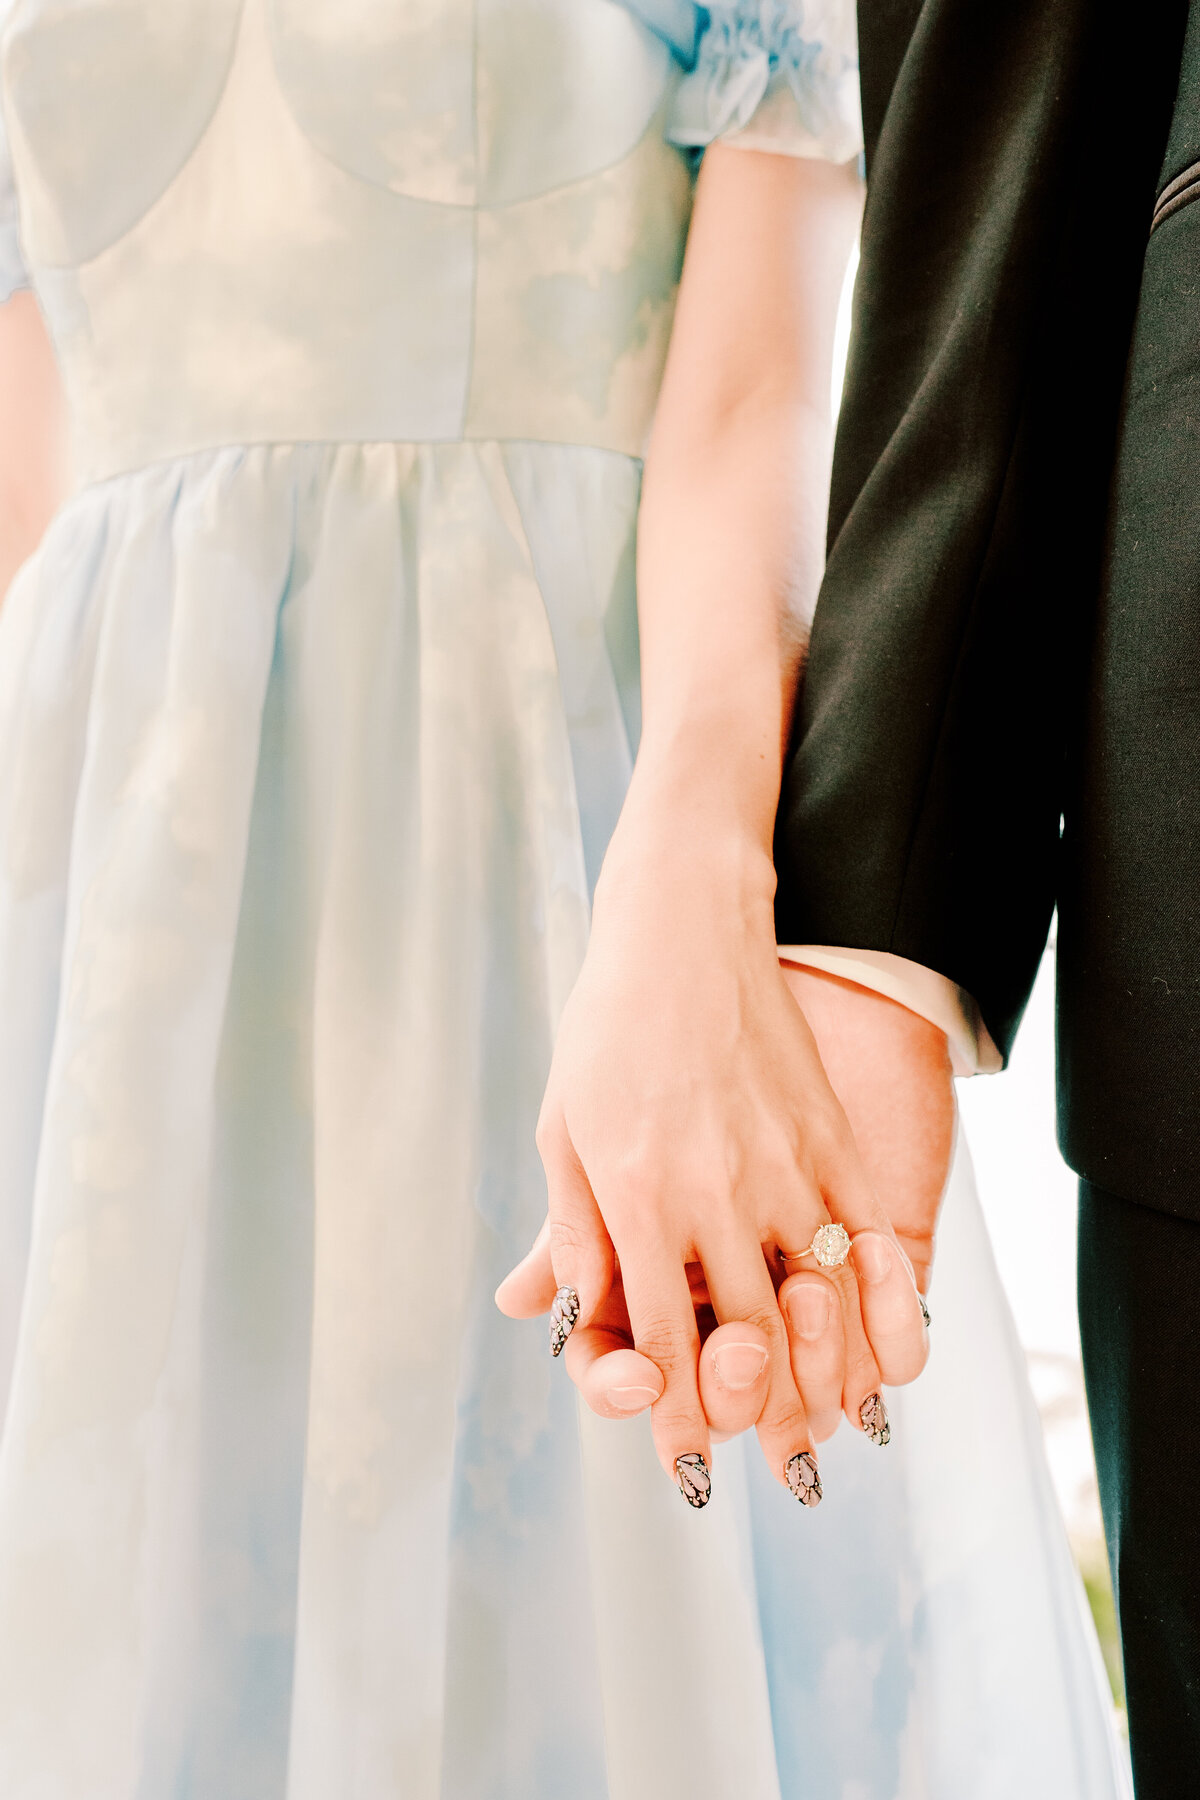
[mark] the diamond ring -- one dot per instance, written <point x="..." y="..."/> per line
<point x="830" y="1246"/>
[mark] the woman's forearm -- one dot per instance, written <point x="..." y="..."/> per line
<point x="730" y="557"/>
<point x="732" y="527"/>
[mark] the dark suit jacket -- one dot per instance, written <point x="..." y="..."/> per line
<point x="988" y="656"/>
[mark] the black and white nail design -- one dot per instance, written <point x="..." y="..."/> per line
<point x="803" y="1478"/>
<point x="695" y="1482"/>
<point x="564" y="1317"/>
<point x="924" y="1311"/>
<point x="873" y="1414"/>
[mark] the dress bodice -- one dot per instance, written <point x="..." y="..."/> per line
<point x="334" y="220"/>
<point x="286" y="220"/>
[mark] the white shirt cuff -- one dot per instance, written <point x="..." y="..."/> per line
<point x="930" y="995"/>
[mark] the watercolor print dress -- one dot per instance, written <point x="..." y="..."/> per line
<point x="317" y="705"/>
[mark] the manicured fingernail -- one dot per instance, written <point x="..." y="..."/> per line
<point x="631" y="1399"/>
<point x="874" y="1257"/>
<point x="803" y="1478"/>
<point x="924" y="1311"/>
<point x="739" y="1365"/>
<point x="695" y="1482"/>
<point x="564" y="1317"/>
<point x="873" y="1414"/>
<point x="809" y="1309"/>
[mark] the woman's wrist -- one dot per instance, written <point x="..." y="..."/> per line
<point x="682" y="847"/>
<point x="721" y="781"/>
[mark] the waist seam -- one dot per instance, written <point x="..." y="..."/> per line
<point x="101" y="476"/>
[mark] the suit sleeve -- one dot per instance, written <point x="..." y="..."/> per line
<point x="931" y="758"/>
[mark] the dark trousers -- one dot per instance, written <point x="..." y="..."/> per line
<point x="1139" y="1311"/>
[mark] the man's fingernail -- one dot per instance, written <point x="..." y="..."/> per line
<point x="874" y="1257"/>
<point x="564" y="1317"/>
<point x="873" y="1414"/>
<point x="809" y="1309"/>
<point x="739" y="1365"/>
<point x="803" y="1478"/>
<point x="695" y="1482"/>
<point x="631" y="1399"/>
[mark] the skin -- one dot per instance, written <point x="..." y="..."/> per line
<point x="891" y="1072"/>
<point x="33" y="456"/>
<point x="690" y="1130"/>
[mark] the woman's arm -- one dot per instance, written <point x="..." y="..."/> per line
<point x="33" y="461"/>
<point x="688" y="1119"/>
<point x="731" y="541"/>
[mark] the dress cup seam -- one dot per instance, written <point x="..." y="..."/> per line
<point x="475" y="205"/>
<point x="78" y="265"/>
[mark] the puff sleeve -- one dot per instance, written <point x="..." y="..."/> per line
<point x="778" y="75"/>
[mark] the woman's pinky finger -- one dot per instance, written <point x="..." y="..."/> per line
<point x="616" y="1381"/>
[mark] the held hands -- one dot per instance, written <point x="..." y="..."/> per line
<point x="689" y="1127"/>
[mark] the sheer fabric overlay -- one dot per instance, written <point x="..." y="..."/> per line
<point x="317" y="706"/>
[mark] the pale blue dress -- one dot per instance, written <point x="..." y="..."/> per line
<point x="317" y="705"/>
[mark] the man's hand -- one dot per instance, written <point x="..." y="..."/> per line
<point x="891" y="1071"/>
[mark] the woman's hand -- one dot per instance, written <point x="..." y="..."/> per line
<point x="616" y="1380"/>
<point x="688" y="1121"/>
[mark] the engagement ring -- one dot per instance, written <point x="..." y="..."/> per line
<point x="830" y="1246"/>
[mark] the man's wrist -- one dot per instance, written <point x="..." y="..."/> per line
<point x="922" y="990"/>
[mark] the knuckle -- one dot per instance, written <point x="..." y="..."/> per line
<point x="676" y="1431"/>
<point x="785" y="1418"/>
<point x="781" y="1168"/>
<point x="768" y="1320"/>
<point x="827" y="1134"/>
<point x="666" y="1341"/>
<point x="639" y="1176"/>
<point x="566" y="1236"/>
<point x="677" y="1416"/>
<point x="862" y="1372"/>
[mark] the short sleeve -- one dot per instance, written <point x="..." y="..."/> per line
<point x="12" y="267"/>
<point x="777" y="75"/>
